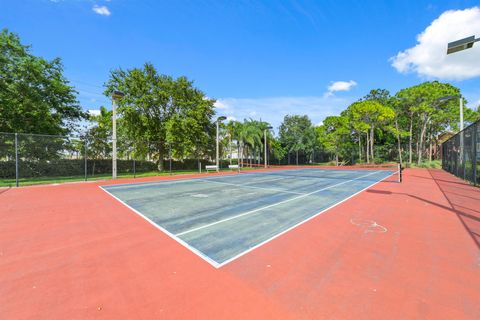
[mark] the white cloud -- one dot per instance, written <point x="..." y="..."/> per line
<point x="94" y="112"/>
<point x="274" y="109"/>
<point x="101" y="10"/>
<point x="429" y="59"/>
<point x="340" y="86"/>
<point x="220" y="105"/>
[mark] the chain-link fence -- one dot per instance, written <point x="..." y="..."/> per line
<point x="33" y="158"/>
<point x="461" y="154"/>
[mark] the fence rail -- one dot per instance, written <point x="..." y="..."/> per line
<point x="461" y="154"/>
<point x="36" y="158"/>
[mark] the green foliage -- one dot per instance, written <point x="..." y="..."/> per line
<point x="171" y="114"/>
<point x="34" y="95"/>
<point x="296" y="133"/>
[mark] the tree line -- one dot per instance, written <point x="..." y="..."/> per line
<point x="163" y="117"/>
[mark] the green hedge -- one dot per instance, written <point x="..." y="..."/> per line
<point x="76" y="167"/>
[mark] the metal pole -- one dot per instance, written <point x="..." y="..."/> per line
<point x="16" y="159"/>
<point x="114" y="139"/>
<point x="461" y="113"/>
<point x="170" y="160"/>
<point x="86" y="170"/>
<point x="265" y="141"/>
<point x="216" y="159"/>
<point x="134" y="164"/>
<point x="475" y="160"/>
<point x="462" y="149"/>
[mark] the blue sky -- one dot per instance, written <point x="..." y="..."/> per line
<point x="260" y="59"/>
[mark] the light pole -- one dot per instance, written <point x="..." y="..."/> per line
<point x="221" y="118"/>
<point x="455" y="46"/>
<point x="117" y="95"/>
<point x="265" y="143"/>
<point x="446" y="98"/>
<point x="452" y="47"/>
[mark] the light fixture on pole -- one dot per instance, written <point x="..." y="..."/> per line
<point x="462" y="44"/>
<point x="455" y="46"/>
<point x="117" y="95"/>
<point x="265" y="143"/>
<point x="221" y="118"/>
<point x="446" y="98"/>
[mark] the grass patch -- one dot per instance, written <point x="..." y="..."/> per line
<point x="434" y="164"/>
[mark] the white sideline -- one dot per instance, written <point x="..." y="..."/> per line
<point x="168" y="233"/>
<point x="270" y="206"/>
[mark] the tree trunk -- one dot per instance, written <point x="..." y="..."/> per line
<point x="410" y="141"/>
<point x="230" y="147"/>
<point x="398" y="142"/>
<point x="240" y="153"/>
<point x="161" y="151"/>
<point x="336" y="159"/>
<point x="430" y="148"/>
<point x="368" y="153"/>
<point x="359" y="147"/>
<point x="372" y="133"/>
<point x="421" y="146"/>
<point x="297" y="158"/>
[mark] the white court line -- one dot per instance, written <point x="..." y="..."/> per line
<point x="171" y="235"/>
<point x="298" y="224"/>
<point x="172" y="181"/>
<point x="269" y="206"/>
<point x="250" y="187"/>
<point x="266" y="180"/>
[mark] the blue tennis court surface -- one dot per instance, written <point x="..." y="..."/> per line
<point x="222" y="217"/>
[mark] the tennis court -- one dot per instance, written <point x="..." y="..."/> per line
<point x="221" y="218"/>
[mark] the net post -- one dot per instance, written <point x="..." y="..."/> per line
<point x="400" y="172"/>
<point x="16" y="159"/>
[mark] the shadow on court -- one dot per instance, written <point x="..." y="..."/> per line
<point x="464" y="205"/>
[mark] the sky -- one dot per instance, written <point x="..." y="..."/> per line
<point x="258" y="59"/>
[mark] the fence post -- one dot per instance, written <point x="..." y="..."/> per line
<point x="16" y="159"/>
<point x="170" y="156"/>
<point x="134" y="164"/>
<point x="86" y="163"/>
<point x="475" y="139"/>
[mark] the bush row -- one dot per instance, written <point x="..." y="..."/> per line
<point x="76" y="167"/>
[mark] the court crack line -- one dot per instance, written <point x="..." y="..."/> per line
<point x="270" y="206"/>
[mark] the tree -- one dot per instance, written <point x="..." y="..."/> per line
<point x="428" y="115"/>
<point x="334" y="135"/>
<point x="369" y="114"/>
<point x="164" y="111"/>
<point x="296" y="133"/>
<point x="35" y="97"/>
<point x="99" y="134"/>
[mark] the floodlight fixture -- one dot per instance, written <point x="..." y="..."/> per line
<point x="462" y="44"/>
<point x="117" y="95"/>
